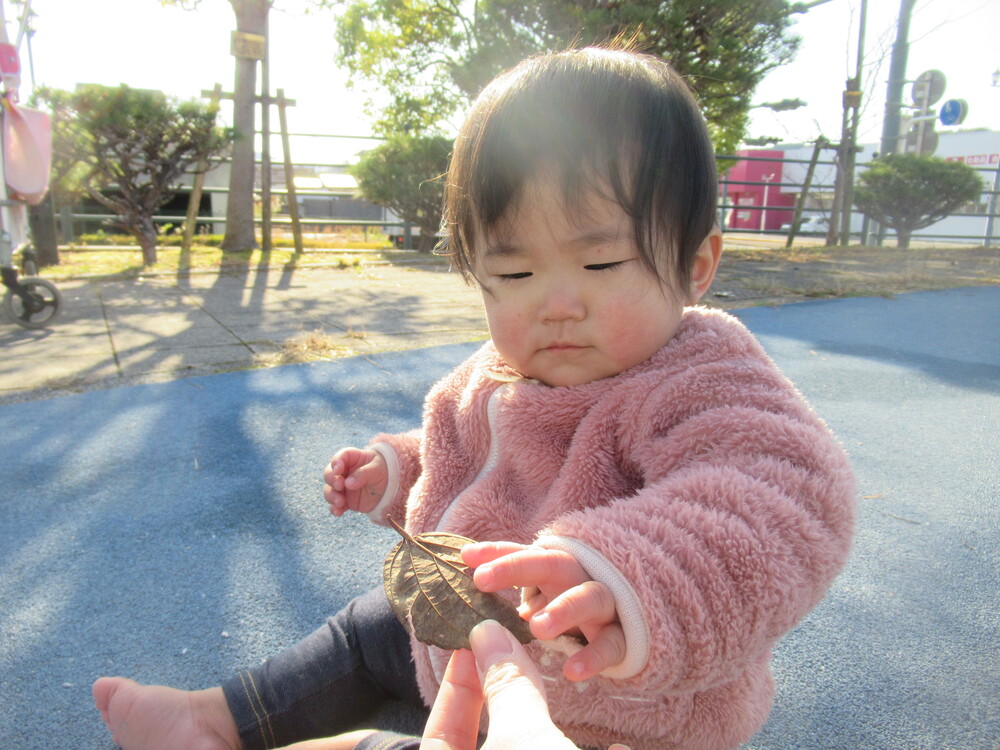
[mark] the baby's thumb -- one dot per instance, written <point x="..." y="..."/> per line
<point x="360" y="477"/>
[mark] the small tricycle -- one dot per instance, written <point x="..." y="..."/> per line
<point x="28" y="300"/>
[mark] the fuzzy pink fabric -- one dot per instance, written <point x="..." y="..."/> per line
<point x="700" y="475"/>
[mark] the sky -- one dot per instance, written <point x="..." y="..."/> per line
<point x="146" y="45"/>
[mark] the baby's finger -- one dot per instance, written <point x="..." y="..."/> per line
<point x="605" y="650"/>
<point x="588" y="606"/>
<point x="531" y="605"/>
<point x="333" y="475"/>
<point x="362" y="476"/>
<point x="549" y="570"/>
<point x="335" y="500"/>
<point x="480" y="553"/>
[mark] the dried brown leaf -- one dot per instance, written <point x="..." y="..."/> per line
<point x="432" y="592"/>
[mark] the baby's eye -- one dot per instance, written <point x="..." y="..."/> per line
<point x="514" y="276"/>
<point x="605" y="266"/>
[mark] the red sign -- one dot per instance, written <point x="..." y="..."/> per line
<point x="977" y="160"/>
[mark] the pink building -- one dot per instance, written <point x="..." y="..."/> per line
<point x="752" y="187"/>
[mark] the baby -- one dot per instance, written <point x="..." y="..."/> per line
<point x="637" y="467"/>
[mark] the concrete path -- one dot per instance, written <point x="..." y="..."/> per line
<point x="159" y="328"/>
<point x="174" y="532"/>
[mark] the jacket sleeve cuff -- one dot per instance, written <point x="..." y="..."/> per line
<point x="378" y="513"/>
<point x="627" y="603"/>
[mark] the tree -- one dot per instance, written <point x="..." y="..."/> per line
<point x="909" y="192"/>
<point x="251" y="18"/>
<point x="406" y="174"/>
<point x="432" y="57"/>
<point x="67" y="175"/>
<point x="67" y="178"/>
<point x="136" y="144"/>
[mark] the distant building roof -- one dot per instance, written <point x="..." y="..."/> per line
<point x="334" y="181"/>
<point x="327" y="181"/>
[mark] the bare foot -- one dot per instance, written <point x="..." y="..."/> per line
<point x="151" y="717"/>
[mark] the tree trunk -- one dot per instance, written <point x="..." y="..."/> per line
<point x="42" y="220"/>
<point x="903" y="235"/>
<point x="426" y="241"/>
<point x="145" y="233"/>
<point x="251" y="17"/>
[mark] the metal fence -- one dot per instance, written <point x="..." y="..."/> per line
<point x="976" y="224"/>
<point x="746" y="206"/>
<point x="75" y="221"/>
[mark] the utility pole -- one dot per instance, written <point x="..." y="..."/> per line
<point x="894" y="93"/>
<point x="839" y="231"/>
<point x="897" y="79"/>
<point x="853" y="97"/>
<point x="265" y="142"/>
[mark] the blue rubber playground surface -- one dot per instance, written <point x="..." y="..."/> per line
<point x="176" y="532"/>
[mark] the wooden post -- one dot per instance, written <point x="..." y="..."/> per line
<point x="293" y="202"/>
<point x="194" y="202"/>
<point x="265" y="146"/>
<point x="821" y="143"/>
<point x="66" y="224"/>
<point x="265" y="100"/>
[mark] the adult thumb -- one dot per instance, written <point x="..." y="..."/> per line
<point x="515" y="696"/>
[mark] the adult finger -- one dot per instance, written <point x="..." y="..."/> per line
<point x="515" y="697"/>
<point x="454" y="720"/>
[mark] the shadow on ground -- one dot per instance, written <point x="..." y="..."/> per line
<point x="175" y="532"/>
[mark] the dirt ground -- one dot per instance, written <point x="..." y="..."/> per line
<point x="749" y="277"/>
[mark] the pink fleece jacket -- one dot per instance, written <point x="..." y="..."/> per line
<point x="698" y="485"/>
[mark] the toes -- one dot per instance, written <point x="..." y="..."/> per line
<point x="102" y="690"/>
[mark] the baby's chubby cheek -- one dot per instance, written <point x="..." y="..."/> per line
<point x="510" y="337"/>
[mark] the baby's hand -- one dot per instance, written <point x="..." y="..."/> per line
<point x="354" y="480"/>
<point x="568" y="600"/>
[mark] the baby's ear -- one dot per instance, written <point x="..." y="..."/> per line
<point x="706" y="263"/>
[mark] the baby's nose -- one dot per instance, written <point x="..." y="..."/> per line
<point x="562" y="301"/>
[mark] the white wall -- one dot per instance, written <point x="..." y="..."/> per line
<point x="979" y="149"/>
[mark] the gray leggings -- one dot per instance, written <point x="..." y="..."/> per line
<point x="328" y="682"/>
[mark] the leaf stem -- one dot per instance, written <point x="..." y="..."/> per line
<point x="464" y="569"/>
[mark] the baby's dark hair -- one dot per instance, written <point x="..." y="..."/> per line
<point x="616" y="122"/>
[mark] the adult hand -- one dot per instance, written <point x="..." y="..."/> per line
<point x="500" y="669"/>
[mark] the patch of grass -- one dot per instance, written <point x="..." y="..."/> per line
<point x="343" y="240"/>
<point x="308" y="346"/>
<point x="126" y="263"/>
<point x="795" y="254"/>
<point x="769" y="275"/>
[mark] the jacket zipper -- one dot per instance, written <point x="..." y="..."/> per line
<point x="492" y="452"/>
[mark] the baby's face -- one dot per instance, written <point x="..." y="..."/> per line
<point x="567" y="297"/>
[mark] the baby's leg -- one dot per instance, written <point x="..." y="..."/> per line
<point x="323" y="686"/>
<point x="151" y="717"/>
<point x="328" y="683"/>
